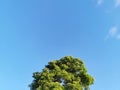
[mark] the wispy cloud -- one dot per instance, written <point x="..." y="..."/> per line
<point x="117" y="3"/>
<point x="99" y="2"/>
<point x="118" y="37"/>
<point x="113" y="33"/>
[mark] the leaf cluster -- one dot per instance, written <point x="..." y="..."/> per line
<point x="68" y="73"/>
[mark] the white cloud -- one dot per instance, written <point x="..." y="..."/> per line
<point x="113" y="33"/>
<point x="99" y="2"/>
<point x="118" y="36"/>
<point x="117" y="3"/>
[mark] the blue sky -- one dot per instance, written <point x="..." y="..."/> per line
<point x="33" y="32"/>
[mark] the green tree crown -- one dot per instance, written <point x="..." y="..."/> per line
<point x="68" y="73"/>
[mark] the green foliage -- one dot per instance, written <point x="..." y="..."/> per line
<point x="68" y="73"/>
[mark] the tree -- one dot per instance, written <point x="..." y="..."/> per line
<point x="68" y="73"/>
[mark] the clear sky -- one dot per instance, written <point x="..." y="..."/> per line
<point x="33" y="32"/>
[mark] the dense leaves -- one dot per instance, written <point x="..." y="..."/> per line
<point x="68" y="73"/>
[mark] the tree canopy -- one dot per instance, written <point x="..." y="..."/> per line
<point x="68" y="73"/>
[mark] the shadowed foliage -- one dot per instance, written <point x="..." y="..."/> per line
<point x="68" y="73"/>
